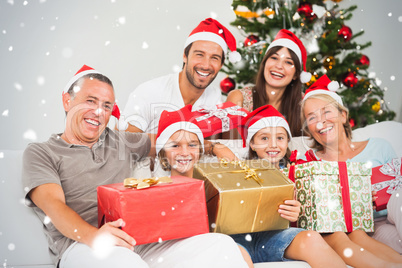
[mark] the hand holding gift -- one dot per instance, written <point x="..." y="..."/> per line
<point x="290" y="210"/>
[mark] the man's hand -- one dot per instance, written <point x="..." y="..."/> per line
<point x="110" y="234"/>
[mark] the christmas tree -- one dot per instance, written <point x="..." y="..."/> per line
<point x="330" y="44"/>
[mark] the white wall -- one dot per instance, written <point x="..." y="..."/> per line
<point x="43" y="43"/>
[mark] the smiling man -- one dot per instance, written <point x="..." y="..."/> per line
<point x="205" y="50"/>
<point x="60" y="179"/>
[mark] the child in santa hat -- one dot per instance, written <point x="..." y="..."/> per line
<point x="325" y="120"/>
<point x="278" y="81"/>
<point x="266" y="132"/>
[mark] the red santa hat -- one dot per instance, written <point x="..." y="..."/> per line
<point x="264" y="116"/>
<point x="286" y="38"/>
<point x="170" y="122"/>
<point x="82" y="72"/>
<point x="211" y="30"/>
<point x="324" y="85"/>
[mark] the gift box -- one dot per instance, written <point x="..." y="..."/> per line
<point x="220" y="118"/>
<point x="161" y="212"/>
<point x="385" y="180"/>
<point x="244" y="196"/>
<point x="334" y="196"/>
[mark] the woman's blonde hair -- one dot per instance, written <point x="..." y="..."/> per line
<point x="337" y="105"/>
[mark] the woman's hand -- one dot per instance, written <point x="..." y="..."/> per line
<point x="290" y="210"/>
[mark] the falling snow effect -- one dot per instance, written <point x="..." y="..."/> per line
<point x="348" y="252"/>
<point x="5" y="113"/>
<point x="145" y="45"/>
<point x="30" y="135"/>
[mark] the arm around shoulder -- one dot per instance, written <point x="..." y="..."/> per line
<point x="236" y="97"/>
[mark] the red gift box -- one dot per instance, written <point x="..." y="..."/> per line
<point x="221" y="118"/>
<point x="385" y="180"/>
<point x="161" y="212"/>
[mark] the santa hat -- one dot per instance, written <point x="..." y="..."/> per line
<point x="82" y="72"/>
<point x="286" y="38"/>
<point x="324" y="85"/>
<point x="264" y="116"/>
<point x="211" y="30"/>
<point x="170" y="122"/>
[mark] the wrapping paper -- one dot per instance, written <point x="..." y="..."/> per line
<point x="161" y="212"/>
<point x="220" y="118"/>
<point x="385" y="180"/>
<point x="244" y="200"/>
<point x="335" y="196"/>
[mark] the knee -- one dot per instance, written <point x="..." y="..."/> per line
<point x="310" y="239"/>
<point x="357" y="234"/>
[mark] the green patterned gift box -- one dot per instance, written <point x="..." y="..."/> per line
<point x="334" y="196"/>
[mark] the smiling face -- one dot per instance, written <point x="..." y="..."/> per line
<point x="88" y="113"/>
<point x="270" y="143"/>
<point x="324" y="121"/>
<point x="203" y="63"/>
<point x="279" y="69"/>
<point x="182" y="151"/>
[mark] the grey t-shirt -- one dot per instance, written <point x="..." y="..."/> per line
<point x="80" y="170"/>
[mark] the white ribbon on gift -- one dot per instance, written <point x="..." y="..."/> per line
<point x="393" y="169"/>
<point x="222" y="114"/>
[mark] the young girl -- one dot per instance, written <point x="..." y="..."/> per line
<point x="267" y="134"/>
<point x="179" y="147"/>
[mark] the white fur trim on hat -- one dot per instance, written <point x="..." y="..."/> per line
<point x="78" y="76"/>
<point x="335" y="96"/>
<point x="333" y="86"/>
<point x="290" y="45"/>
<point x="272" y="121"/>
<point x="207" y="36"/>
<point x="171" y="129"/>
<point x="305" y="77"/>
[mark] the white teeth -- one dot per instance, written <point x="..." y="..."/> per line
<point x="277" y="74"/>
<point x="92" y="122"/>
<point x="203" y="74"/>
<point x="325" y="130"/>
<point x="273" y="153"/>
<point x="183" y="162"/>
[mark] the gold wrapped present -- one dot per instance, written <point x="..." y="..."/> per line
<point x="244" y="196"/>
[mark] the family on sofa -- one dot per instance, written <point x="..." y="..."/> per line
<point x="60" y="175"/>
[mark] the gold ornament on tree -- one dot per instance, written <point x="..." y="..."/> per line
<point x="376" y="107"/>
<point x="312" y="80"/>
<point x="329" y="62"/>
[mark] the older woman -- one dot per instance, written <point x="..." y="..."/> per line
<point x="326" y="122"/>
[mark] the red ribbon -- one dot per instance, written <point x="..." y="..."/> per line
<point x="347" y="207"/>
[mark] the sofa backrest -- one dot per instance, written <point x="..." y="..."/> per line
<point x="22" y="243"/>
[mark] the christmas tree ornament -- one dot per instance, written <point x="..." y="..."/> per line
<point x="350" y="79"/>
<point x="319" y="11"/>
<point x="345" y="33"/>
<point x="363" y="61"/>
<point x="366" y="83"/>
<point x="227" y="84"/>
<point x="336" y="1"/>
<point x="352" y="122"/>
<point x="376" y="107"/>
<point x="305" y="9"/>
<point x="329" y="63"/>
<point x="250" y="40"/>
<point x="244" y="12"/>
<point x="312" y="80"/>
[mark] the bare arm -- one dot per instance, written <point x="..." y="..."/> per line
<point x="219" y="150"/>
<point x="50" y="198"/>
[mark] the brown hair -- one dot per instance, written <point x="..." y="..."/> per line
<point x="187" y="51"/>
<point x="337" y="105"/>
<point x="290" y="102"/>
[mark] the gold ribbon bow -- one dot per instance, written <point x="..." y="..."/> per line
<point x="250" y="172"/>
<point x="145" y="183"/>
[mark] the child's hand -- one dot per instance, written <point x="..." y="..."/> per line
<point x="374" y="197"/>
<point x="290" y="210"/>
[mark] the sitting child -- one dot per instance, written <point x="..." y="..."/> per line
<point x="179" y="144"/>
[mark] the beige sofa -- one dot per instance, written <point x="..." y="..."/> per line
<point x="22" y="243"/>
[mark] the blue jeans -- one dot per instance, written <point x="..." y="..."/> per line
<point x="268" y="246"/>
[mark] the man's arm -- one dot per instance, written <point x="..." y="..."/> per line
<point x="50" y="198"/>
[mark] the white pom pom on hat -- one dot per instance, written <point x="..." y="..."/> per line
<point x="324" y="85"/>
<point x="286" y="38"/>
<point x="212" y="30"/>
